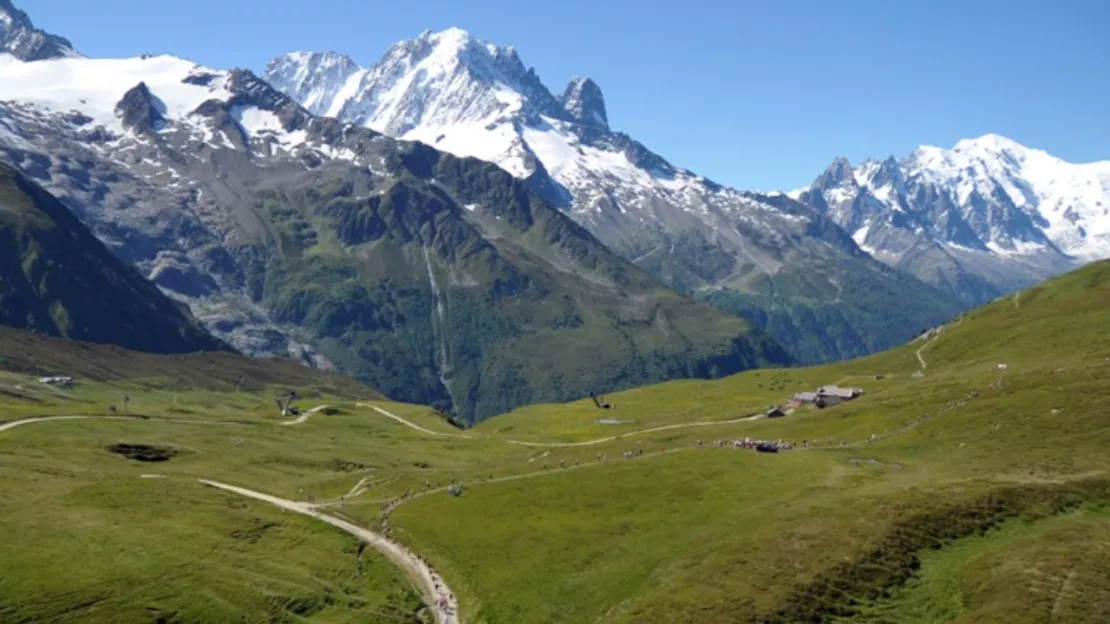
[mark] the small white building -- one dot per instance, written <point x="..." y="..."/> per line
<point x="838" y="392"/>
<point x="57" y="380"/>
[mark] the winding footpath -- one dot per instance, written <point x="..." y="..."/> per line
<point x="417" y="427"/>
<point x="395" y="502"/>
<point x="436" y="593"/>
<point x="438" y="596"/>
<point x="639" y="432"/>
<point x="304" y="415"/>
<point x="921" y="358"/>
<point x="30" y="421"/>
<point x="39" y="419"/>
<point x="412" y="424"/>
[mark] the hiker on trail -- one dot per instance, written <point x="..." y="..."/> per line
<point x="699" y="443"/>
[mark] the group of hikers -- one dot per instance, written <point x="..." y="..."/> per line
<point x="750" y="443"/>
<point x="445" y="601"/>
<point x="779" y="445"/>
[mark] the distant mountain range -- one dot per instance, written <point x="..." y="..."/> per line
<point x="987" y="217"/>
<point x="436" y="279"/>
<point x="984" y="218"/>
<point x="779" y="263"/>
<point x="408" y="222"/>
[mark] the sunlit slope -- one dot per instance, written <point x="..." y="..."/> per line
<point x="97" y="537"/>
<point x="1062" y="318"/>
<point x="824" y="533"/>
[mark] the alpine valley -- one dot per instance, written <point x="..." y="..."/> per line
<point x="428" y="343"/>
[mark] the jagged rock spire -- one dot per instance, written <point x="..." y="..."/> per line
<point x="585" y="103"/>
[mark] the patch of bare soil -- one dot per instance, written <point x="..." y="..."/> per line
<point x="144" y="452"/>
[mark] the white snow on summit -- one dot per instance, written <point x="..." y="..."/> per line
<point x="474" y="98"/>
<point x="93" y="87"/>
<point x="1019" y="201"/>
<point x="446" y="89"/>
<point x="1074" y="199"/>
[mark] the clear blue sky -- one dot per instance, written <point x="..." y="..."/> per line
<point x="758" y="95"/>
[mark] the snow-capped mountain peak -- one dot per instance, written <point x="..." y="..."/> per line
<point x="837" y="173"/>
<point x="445" y="88"/>
<point x="472" y="98"/>
<point x="310" y="76"/>
<point x="990" y="143"/>
<point x="1069" y="203"/>
<point x="990" y="204"/>
<point x="585" y="103"/>
<point x="20" y="38"/>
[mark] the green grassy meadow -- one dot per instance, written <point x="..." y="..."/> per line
<point x="971" y="493"/>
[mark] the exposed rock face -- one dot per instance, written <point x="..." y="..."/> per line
<point x="583" y="100"/>
<point x="781" y="264"/>
<point x="437" y="280"/>
<point x="140" y="110"/>
<point x="57" y="278"/>
<point x="20" y="38"/>
<point x="984" y="218"/>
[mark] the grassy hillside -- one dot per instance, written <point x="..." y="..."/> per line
<point x="869" y="309"/>
<point x="953" y="490"/>
<point x="827" y="533"/>
<point x="57" y="278"/>
<point x="25" y="354"/>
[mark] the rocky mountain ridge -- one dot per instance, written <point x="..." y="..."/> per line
<point x="56" y="278"/>
<point x="20" y="38"/>
<point x="436" y="279"/>
<point x="983" y="218"/>
<point x="778" y="262"/>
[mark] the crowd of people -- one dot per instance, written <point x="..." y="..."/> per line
<point x="445" y="600"/>
<point x="782" y="445"/>
<point x="751" y="443"/>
